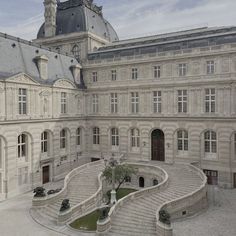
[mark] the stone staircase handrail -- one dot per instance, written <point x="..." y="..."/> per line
<point x="181" y="203"/>
<point x="44" y="201"/>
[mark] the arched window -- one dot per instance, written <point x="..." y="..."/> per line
<point x="78" y="137"/>
<point x="76" y="51"/>
<point x="210" y="141"/>
<point x="22" y="145"/>
<point x="135" y="138"/>
<point x="114" y="137"/>
<point x="96" y="136"/>
<point x="63" y="139"/>
<point x="44" y="142"/>
<point x="182" y="140"/>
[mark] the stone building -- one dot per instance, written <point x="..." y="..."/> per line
<point x="78" y="92"/>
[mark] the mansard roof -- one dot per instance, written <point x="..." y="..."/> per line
<point x="18" y="56"/>
<point x="187" y="39"/>
<point x="81" y="16"/>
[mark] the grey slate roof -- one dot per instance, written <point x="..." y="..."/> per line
<point x="167" y="42"/>
<point x="17" y="56"/>
<point x="76" y="16"/>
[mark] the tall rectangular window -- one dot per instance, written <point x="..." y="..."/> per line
<point x="63" y="103"/>
<point x="157" y="72"/>
<point x="182" y="101"/>
<point x="44" y="142"/>
<point x="114" y="137"/>
<point x="157" y="101"/>
<point x="94" y="76"/>
<point x="113" y="75"/>
<point x="22" y="99"/>
<point x="96" y="136"/>
<point x="210" y="67"/>
<point x="114" y="103"/>
<point x="95" y="103"/>
<point x="134" y="73"/>
<point x="210" y="100"/>
<point x="182" y="69"/>
<point x="134" y="102"/>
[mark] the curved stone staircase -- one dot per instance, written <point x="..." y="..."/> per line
<point x="79" y="188"/>
<point x="138" y="217"/>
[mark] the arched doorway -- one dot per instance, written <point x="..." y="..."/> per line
<point x="141" y="182"/>
<point x="158" y="145"/>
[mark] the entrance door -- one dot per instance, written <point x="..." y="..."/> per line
<point x="212" y="177"/>
<point x="158" y="145"/>
<point x="234" y="180"/>
<point x="46" y="174"/>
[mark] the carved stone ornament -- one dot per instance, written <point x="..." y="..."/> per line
<point x="62" y="83"/>
<point x="22" y="78"/>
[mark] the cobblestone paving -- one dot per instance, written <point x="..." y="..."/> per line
<point x="218" y="220"/>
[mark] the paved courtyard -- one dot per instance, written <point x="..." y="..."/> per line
<point x="218" y="220"/>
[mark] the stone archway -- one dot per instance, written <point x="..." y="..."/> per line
<point x="158" y="145"/>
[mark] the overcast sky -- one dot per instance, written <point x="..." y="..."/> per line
<point x="130" y="18"/>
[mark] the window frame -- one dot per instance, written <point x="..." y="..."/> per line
<point x="63" y="139"/>
<point x="210" y="142"/>
<point x="157" y="72"/>
<point x="210" y="67"/>
<point x="134" y="102"/>
<point x="182" y="101"/>
<point x="114" y="103"/>
<point x="115" y="142"/>
<point x="134" y="73"/>
<point x="157" y="101"/>
<point x="113" y="75"/>
<point x="95" y="105"/>
<point x="94" y="76"/>
<point x="22" y="101"/>
<point x="210" y="100"/>
<point x="44" y="142"/>
<point x="63" y="102"/>
<point x="134" y="138"/>
<point x="78" y="137"/>
<point x="182" y="68"/>
<point x="182" y="141"/>
<point x="22" y="145"/>
<point x="96" y="136"/>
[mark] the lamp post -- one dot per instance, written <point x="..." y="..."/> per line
<point x="113" y="163"/>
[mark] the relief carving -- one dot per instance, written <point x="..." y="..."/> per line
<point x="63" y="84"/>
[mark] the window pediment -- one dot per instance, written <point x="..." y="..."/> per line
<point x="62" y="83"/>
<point x="22" y="78"/>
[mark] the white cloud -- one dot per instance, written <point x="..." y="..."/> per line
<point x="135" y="18"/>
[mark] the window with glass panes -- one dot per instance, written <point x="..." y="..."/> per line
<point x="114" y="137"/>
<point x="134" y="73"/>
<point x="210" y="67"/>
<point x="113" y="75"/>
<point x="78" y="137"/>
<point x="182" y="69"/>
<point x="210" y="142"/>
<point x="95" y="76"/>
<point x="95" y="103"/>
<point x="157" y="101"/>
<point x="182" y="140"/>
<point x="44" y="142"/>
<point x="157" y="72"/>
<point x="63" y="103"/>
<point x="134" y="102"/>
<point x="63" y="139"/>
<point x="210" y="100"/>
<point x="22" y="145"/>
<point x="96" y="136"/>
<point x="114" y="103"/>
<point x="22" y="96"/>
<point x="135" y="138"/>
<point x="182" y="101"/>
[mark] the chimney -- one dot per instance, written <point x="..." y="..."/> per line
<point x="42" y="65"/>
<point x="50" y="17"/>
<point x="75" y="69"/>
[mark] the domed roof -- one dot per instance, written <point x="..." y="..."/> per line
<point x="81" y="16"/>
